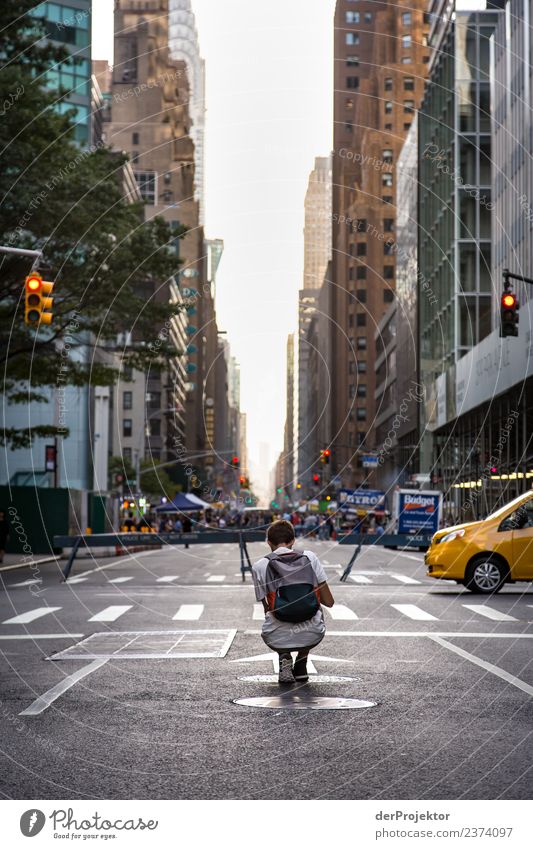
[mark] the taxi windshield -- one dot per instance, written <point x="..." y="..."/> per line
<point x="501" y="510"/>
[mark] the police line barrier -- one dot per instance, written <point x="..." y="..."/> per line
<point x="132" y="540"/>
<point x="386" y="540"/>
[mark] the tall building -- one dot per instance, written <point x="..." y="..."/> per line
<point x="481" y="418"/>
<point x="288" y="434"/>
<point x="317" y="227"/>
<point x="183" y="42"/>
<point x="151" y="122"/>
<point x="381" y="58"/>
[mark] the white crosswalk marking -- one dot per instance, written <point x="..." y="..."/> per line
<point x="120" y="580"/>
<point x="27" y="583"/>
<point x="111" y="614"/>
<point x="30" y="616"/>
<point x="259" y="613"/>
<point x="189" y="611"/>
<point x="489" y="612"/>
<point x="412" y="611"/>
<point x="79" y="580"/>
<point x="359" y="579"/>
<point x="216" y="579"/>
<point x="167" y="579"/>
<point x="404" y="579"/>
<point x="340" y="611"/>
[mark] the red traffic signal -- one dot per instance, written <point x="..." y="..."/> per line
<point x="325" y="456"/>
<point x="235" y="462"/>
<point x="316" y="478"/>
<point x="509" y="314"/>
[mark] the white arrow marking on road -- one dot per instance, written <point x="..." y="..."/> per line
<point x="489" y="612"/>
<point x="30" y="616"/>
<point x="274" y="659"/>
<point x="44" y="701"/>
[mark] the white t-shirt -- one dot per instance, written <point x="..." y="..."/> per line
<point x="289" y="635"/>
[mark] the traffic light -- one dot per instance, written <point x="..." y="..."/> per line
<point x="508" y="310"/>
<point x="38" y="301"/>
<point x="316" y="478"/>
<point x="325" y="456"/>
<point x="235" y="462"/>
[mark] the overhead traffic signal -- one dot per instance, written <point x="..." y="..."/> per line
<point x="235" y="462"/>
<point x="38" y="303"/>
<point x="509" y="315"/>
<point x="316" y="478"/>
<point x="325" y="456"/>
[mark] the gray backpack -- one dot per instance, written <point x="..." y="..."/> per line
<point x="291" y="587"/>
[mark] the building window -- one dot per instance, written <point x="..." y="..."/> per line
<point x="387" y="198"/>
<point x="126" y="453"/>
<point x="361" y="249"/>
<point x="425" y="59"/>
<point x="368" y="17"/>
<point x="348" y="127"/>
<point x="352" y="61"/>
<point x="388" y="107"/>
<point x="388" y="84"/>
<point x="361" y="272"/>
<point x="388" y="272"/>
<point x="146" y="180"/>
<point x="406" y="60"/>
<point x="361" y="225"/>
<point x="155" y="427"/>
<point x="361" y="414"/>
<point x="388" y="296"/>
<point x="361" y="296"/>
<point x="408" y="106"/>
<point x="352" y="38"/>
<point x="348" y="103"/>
<point x="406" y="19"/>
<point x="352" y="82"/>
<point x="386" y="180"/>
<point x="408" y="84"/>
<point x="425" y="38"/>
<point x="352" y="17"/>
<point x="127" y="400"/>
<point x="127" y="372"/>
<point x="388" y="126"/>
<point x="154" y="400"/>
<point x="361" y="390"/>
<point x="351" y="273"/>
<point x="361" y="343"/>
<point x="388" y="225"/>
<point x="351" y="367"/>
<point x="361" y="319"/>
<point x="407" y="127"/>
<point x="388" y="248"/>
<point x="361" y="366"/>
<point x="386" y="156"/>
<point x="406" y="42"/>
<point x="127" y="427"/>
<point x="135" y="138"/>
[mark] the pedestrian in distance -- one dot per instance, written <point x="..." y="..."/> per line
<point x="292" y="586"/>
<point x="129" y="524"/>
<point x="186" y="527"/>
<point x="4" y="534"/>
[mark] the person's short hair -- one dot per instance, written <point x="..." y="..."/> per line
<point x="280" y="532"/>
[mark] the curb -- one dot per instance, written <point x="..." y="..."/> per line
<point x="29" y="564"/>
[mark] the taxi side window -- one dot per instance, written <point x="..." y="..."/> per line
<point x="519" y="519"/>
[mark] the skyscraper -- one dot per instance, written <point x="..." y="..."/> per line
<point x="317" y="227"/>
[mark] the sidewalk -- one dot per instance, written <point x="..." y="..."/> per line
<point x="19" y="561"/>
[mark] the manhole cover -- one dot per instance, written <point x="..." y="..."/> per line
<point x="313" y="679"/>
<point x="295" y="701"/>
<point x="149" y="645"/>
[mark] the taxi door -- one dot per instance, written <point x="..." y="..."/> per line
<point x="522" y="566"/>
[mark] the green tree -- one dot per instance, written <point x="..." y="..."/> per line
<point x="110" y="267"/>
<point x="156" y="482"/>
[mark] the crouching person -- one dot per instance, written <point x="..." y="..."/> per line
<point x="292" y="587"/>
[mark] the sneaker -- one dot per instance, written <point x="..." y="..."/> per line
<point x="285" y="670"/>
<point x="300" y="670"/>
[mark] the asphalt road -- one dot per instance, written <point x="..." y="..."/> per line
<point x="129" y="715"/>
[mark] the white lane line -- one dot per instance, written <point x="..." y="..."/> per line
<point x="419" y="558"/>
<point x="26" y="583"/>
<point x="340" y="611"/>
<point x="44" y="701"/>
<point x="119" y="580"/>
<point x="111" y="614"/>
<point x="41" y="636"/>
<point x="412" y="611"/>
<point x="216" y="578"/>
<point x="135" y="556"/>
<point x="359" y="579"/>
<point x="496" y="670"/>
<point x="490" y="612"/>
<point x="78" y="580"/>
<point x="404" y="579"/>
<point x="30" y="616"/>
<point x="259" y="613"/>
<point x="167" y="579"/>
<point x="189" y="611"/>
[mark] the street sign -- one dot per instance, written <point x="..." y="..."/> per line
<point x="366" y="499"/>
<point x="417" y="511"/>
<point x="370" y="461"/>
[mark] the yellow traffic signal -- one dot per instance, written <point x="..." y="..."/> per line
<point x="38" y="303"/>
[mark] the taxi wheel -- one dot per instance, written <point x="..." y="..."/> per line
<point x="485" y="575"/>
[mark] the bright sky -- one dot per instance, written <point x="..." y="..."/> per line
<point x="269" y="69"/>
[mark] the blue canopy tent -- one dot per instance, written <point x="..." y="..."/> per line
<point x="181" y="504"/>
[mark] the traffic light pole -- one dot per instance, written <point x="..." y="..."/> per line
<point x="5" y="249"/>
<point x="509" y="274"/>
